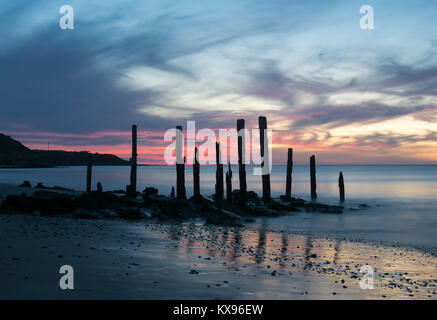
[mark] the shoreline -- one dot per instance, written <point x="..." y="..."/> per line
<point x="16" y="190"/>
<point x="138" y="260"/>
<point x="192" y="259"/>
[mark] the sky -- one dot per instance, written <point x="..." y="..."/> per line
<point x="327" y="87"/>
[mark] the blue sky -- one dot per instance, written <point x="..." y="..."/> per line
<point x="326" y="86"/>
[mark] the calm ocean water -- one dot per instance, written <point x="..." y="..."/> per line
<point x="402" y="199"/>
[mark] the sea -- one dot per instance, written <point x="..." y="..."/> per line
<point x="389" y="203"/>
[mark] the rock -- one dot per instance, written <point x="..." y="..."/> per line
<point x="47" y="203"/>
<point x="145" y="213"/>
<point x="108" y="213"/>
<point x="86" y="214"/>
<point x="45" y="195"/>
<point x="150" y="191"/>
<point x="129" y="213"/>
<point x="26" y="184"/>
<point x="87" y="201"/>
<point x="174" y="208"/>
<point x="193" y="272"/>
<point x="323" y="208"/>
<point x="120" y="191"/>
<point x="223" y="217"/>
<point x="278" y="206"/>
<point x="251" y="196"/>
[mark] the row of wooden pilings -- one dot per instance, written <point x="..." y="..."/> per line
<point x="219" y="187"/>
<point x="131" y="189"/>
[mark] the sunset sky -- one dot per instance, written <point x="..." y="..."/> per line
<point x="326" y="86"/>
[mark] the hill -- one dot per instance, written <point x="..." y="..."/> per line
<point x="7" y="144"/>
<point x="14" y="154"/>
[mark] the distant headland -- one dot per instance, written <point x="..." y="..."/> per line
<point x="14" y="154"/>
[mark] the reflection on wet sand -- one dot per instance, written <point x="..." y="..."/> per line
<point x="319" y="264"/>
<point x="261" y="245"/>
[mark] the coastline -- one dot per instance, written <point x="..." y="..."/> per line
<point x="135" y="260"/>
<point x="150" y="259"/>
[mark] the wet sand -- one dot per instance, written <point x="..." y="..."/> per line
<point x="118" y="259"/>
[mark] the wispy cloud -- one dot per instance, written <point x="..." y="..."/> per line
<point x="323" y="83"/>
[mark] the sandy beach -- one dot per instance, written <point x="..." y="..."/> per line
<point x="116" y="259"/>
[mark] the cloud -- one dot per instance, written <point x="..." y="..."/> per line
<point x="305" y="65"/>
<point x="336" y="116"/>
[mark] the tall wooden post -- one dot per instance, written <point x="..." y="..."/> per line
<point x="341" y="186"/>
<point x="289" y="174"/>
<point x="219" y="192"/>
<point x="89" y="172"/>
<point x="133" y="165"/>
<point x="262" y="122"/>
<point x="180" y="165"/>
<point x="229" y="183"/>
<point x="241" y="160"/>
<point x="196" y="174"/>
<point x="313" y="177"/>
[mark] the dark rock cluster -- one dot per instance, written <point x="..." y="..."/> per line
<point x="99" y="204"/>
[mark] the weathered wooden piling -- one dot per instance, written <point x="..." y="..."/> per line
<point x="289" y="174"/>
<point x="262" y="122"/>
<point x="89" y="172"/>
<point x="180" y="165"/>
<point x="196" y="174"/>
<point x="229" y="183"/>
<point x="133" y="166"/>
<point x="341" y="186"/>
<point x="313" y="177"/>
<point x="99" y="187"/>
<point x="172" y="193"/>
<point x="241" y="160"/>
<point x="219" y="192"/>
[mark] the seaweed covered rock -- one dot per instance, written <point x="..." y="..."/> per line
<point x="175" y="208"/>
<point x="86" y="214"/>
<point x="323" y="208"/>
<point x="47" y="203"/>
<point x="129" y="213"/>
<point x="26" y="184"/>
<point x="218" y="216"/>
<point x="150" y="191"/>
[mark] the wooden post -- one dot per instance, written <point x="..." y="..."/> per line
<point x="313" y="177"/>
<point x="196" y="174"/>
<point x="133" y="166"/>
<point x="180" y="165"/>
<point x="229" y="183"/>
<point x="241" y="160"/>
<point x="289" y="174"/>
<point x="341" y="186"/>
<point x="89" y="172"/>
<point x="219" y="192"/>
<point x="262" y="122"/>
<point x="172" y="193"/>
<point x="99" y="187"/>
